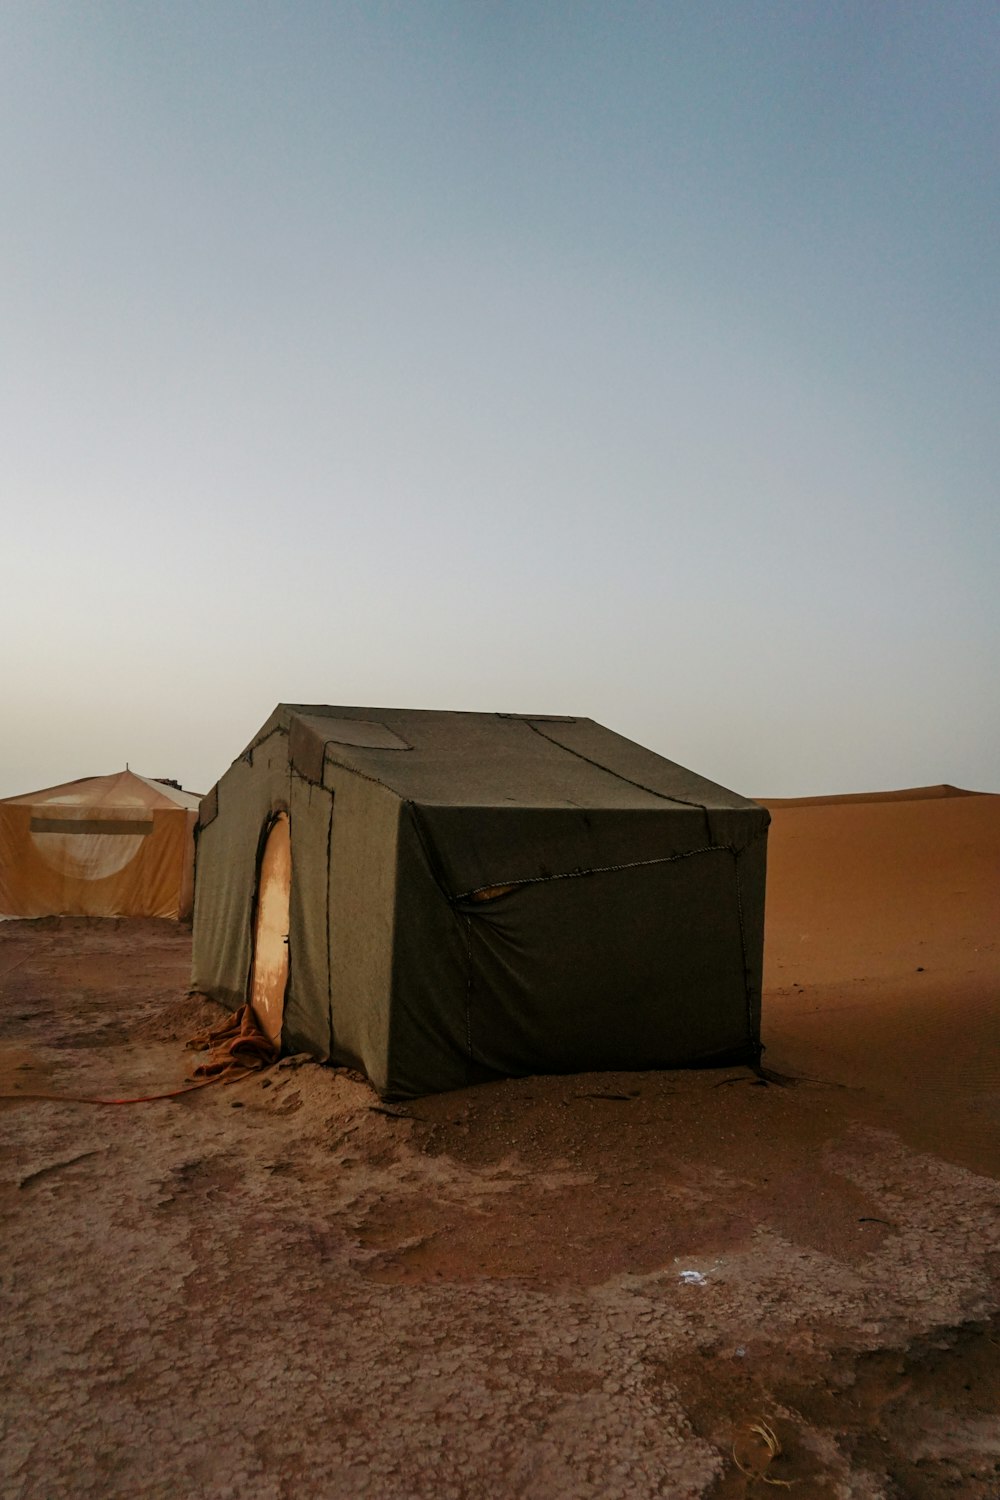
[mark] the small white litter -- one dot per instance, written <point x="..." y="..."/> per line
<point x="693" y="1278"/>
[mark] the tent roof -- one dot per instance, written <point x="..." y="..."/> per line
<point x="116" y="793"/>
<point x="446" y="759"/>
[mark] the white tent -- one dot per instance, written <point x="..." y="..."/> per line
<point x="105" y="846"/>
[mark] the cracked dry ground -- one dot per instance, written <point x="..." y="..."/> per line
<point x="285" y="1289"/>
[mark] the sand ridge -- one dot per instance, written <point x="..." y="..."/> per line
<point x="903" y="794"/>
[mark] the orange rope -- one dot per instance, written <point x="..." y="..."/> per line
<point x="238" y="1048"/>
<point x="89" y="1099"/>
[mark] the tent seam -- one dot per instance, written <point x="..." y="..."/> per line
<point x="664" y="796"/>
<point x="468" y="988"/>
<point x="354" y="770"/>
<point x="329" y="867"/>
<point x="743" y="947"/>
<point x="639" y="864"/>
<point x="247" y="754"/>
<point x="429" y="853"/>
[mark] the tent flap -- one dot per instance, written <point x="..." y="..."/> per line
<point x="472" y="849"/>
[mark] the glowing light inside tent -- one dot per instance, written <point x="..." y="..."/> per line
<point x="269" y="975"/>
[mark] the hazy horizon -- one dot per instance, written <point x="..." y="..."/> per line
<point x="635" y="362"/>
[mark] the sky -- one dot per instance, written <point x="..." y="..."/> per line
<point x="638" y="361"/>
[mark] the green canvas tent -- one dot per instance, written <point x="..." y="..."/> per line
<point x="443" y="898"/>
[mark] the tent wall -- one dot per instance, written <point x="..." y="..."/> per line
<point x="635" y="968"/>
<point x="307" y="1003"/>
<point x="751" y="875"/>
<point x="233" y="822"/>
<point x="472" y="848"/>
<point x="98" y="866"/>
<point x="428" y="1039"/>
<point x="361" y="909"/>
<point x="343" y="838"/>
<point x="185" y="898"/>
<point x="634" y="965"/>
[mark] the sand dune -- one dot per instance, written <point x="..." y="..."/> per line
<point x="881" y="960"/>
<point x="859" y="888"/>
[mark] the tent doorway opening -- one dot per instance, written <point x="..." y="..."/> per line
<point x="269" y="970"/>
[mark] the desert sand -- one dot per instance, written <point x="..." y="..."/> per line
<point x="586" y="1286"/>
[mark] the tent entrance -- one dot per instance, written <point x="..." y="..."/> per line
<point x="269" y="971"/>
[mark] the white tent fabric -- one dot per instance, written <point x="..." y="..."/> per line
<point x="119" y="845"/>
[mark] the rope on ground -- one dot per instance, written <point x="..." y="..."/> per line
<point x="760" y="1446"/>
<point x="90" y="1099"/>
<point x="238" y="1048"/>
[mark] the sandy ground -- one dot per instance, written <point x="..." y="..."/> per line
<point x="579" y="1287"/>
